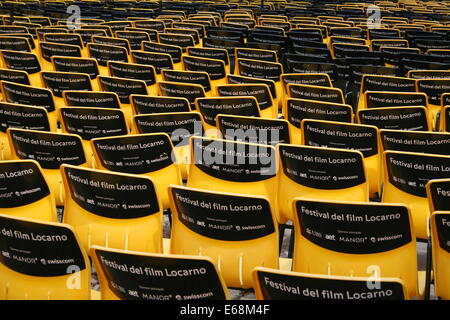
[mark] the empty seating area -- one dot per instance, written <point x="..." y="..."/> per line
<point x="220" y="149"/>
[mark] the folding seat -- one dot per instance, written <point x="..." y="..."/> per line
<point x="58" y="82"/>
<point x="50" y="265"/>
<point x="210" y="107"/>
<point x="377" y="44"/>
<point x="318" y="93"/>
<point x="252" y="129"/>
<point x="92" y="122"/>
<point x="50" y="150"/>
<point x="180" y="40"/>
<point x="438" y="195"/>
<point x="185" y="32"/>
<point x="211" y="53"/>
<point x="317" y="79"/>
<point x="371" y="82"/>
<point x="87" y="34"/>
<point x="40" y="32"/>
<point x="22" y="61"/>
<point x="78" y="65"/>
<point x="363" y="138"/>
<point x="117" y="25"/>
<point x="144" y="154"/>
<point x="356" y="239"/>
<point x="142" y="104"/>
<point x="20" y="116"/>
<point x="405" y="177"/>
<point x="439" y="240"/>
<point x="195" y="77"/>
<point x="189" y="91"/>
<point x="15" y="76"/>
<point x="214" y="67"/>
<point x="180" y="126"/>
<point x="49" y="49"/>
<point x="394" y="55"/>
<point x="339" y="50"/>
<point x="346" y="40"/>
<point x="114" y="210"/>
<point x="273" y="30"/>
<point x="231" y="241"/>
<point x="112" y="41"/>
<point x="433" y="88"/>
<point x="123" y="87"/>
<point x="229" y="166"/>
<point x="272" y="284"/>
<point x="64" y="38"/>
<point x="135" y="71"/>
<point x="383" y="34"/>
<point x="160" y="61"/>
<point x="260" y="91"/>
<point x="134" y="38"/>
<point x="193" y="26"/>
<point x="25" y="191"/>
<point x="295" y="110"/>
<point x="180" y="277"/>
<point x="319" y="173"/>
<point x="152" y="35"/>
<point x="153" y="24"/>
<point x="104" y="53"/>
<point x="14" y="43"/>
<point x="31" y="96"/>
<point x="174" y="51"/>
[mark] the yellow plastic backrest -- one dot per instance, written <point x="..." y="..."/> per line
<point x="25" y="192"/>
<point x="229" y="166"/>
<point x="438" y="194"/>
<point x="319" y="173"/>
<point x="405" y="178"/>
<point x="272" y="284"/>
<point x="50" y="264"/>
<point x="182" y="277"/>
<point x="245" y="235"/>
<point x="363" y="138"/>
<point x="357" y="239"/>
<point x="440" y="224"/>
<point x="145" y="154"/>
<point x="112" y="209"/>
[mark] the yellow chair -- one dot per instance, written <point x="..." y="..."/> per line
<point x="262" y="93"/>
<point x="315" y="79"/>
<point x="214" y="67"/>
<point x="319" y="173"/>
<point x="253" y="129"/>
<point x="272" y="284"/>
<point x="180" y="126"/>
<point x="295" y="110"/>
<point x="384" y="99"/>
<point x="261" y="69"/>
<point x="205" y="223"/>
<point x="136" y="72"/>
<point x="141" y="104"/>
<point x="32" y="96"/>
<point x="212" y="53"/>
<point x="179" y="277"/>
<point x="356" y="239"/>
<point x="433" y="88"/>
<point x="396" y="118"/>
<point x="134" y="38"/>
<point x="58" y="82"/>
<point x="229" y="166"/>
<point x="79" y="65"/>
<point x="196" y="77"/>
<point x="384" y="83"/>
<point x="90" y="123"/>
<point x="50" y="265"/>
<point x="212" y="106"/>
<point x="22" y="61"/>
<point x="112" y="41"/>
<point x="181" y="40"/>
<point x="318" y="93"/>
<point x="113" y="210"/>
<point x="405" y="175"/>
<point x="363" y="138"/>
<point x="190" y="91"/>
<point x="144" y="154"/>
<point x="17" y="115"/>
<point x="14" y="43"/>
<point x="104" y="53"/>
<point x="25" y="192"/>
<point x="174" y="51"/>
<point x="49" y="49"/>
<point x="50" y="150"/>
<point x="438" y="194"/>
<point x="123" y="87"/>
<point x="439" y="240"/>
